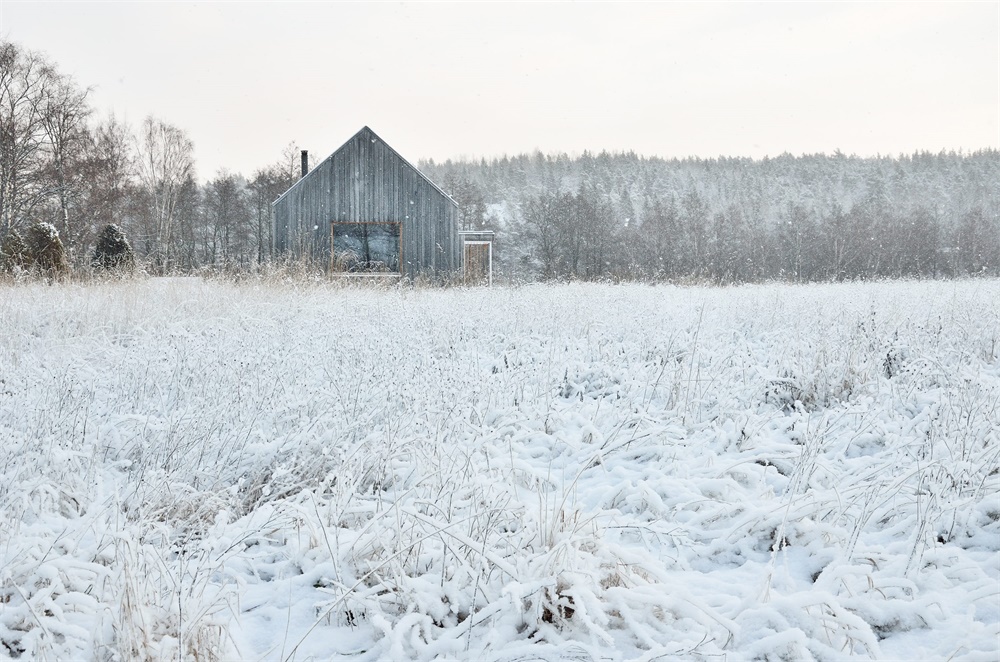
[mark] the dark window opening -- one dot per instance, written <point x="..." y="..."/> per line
<point x="366" y="248"/>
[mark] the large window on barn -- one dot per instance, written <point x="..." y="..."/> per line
<point x="367" y="248"/>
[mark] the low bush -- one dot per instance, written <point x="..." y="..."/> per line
<point x="45" y="250"/>
<point x="113" y="253"/>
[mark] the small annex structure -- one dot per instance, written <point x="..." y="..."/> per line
<point x="477" y="257"/>
<point x="366" y="210"/>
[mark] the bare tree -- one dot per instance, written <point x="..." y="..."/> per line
<point x="26" y="79"/>
<point x="165" y="162"/>
<point x="541" y="230"/>
<point x="105" y="174"/>
<point x="227" y="213"/>
<point x="265" y="187"/>
<point x="189" y="232"/>
<point x="694" y="233"/>
<point x="595" y="219"/>
<point x="64" y="113"/>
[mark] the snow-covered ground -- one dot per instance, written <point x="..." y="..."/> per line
<point x="204" y="470"/>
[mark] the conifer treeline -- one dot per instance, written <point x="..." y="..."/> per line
<point x="814" y="217"/>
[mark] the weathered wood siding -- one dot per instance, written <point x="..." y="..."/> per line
<point x="366" y="181"/>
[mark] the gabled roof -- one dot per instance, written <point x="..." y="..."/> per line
<point x="375" y="136"/>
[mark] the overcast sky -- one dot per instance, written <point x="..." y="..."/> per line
<point x="452" y="80"/>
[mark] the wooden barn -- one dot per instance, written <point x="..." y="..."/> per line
<point x="366" y="210"/>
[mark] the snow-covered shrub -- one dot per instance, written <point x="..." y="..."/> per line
<point x="13" y="253"/>
<point x="113" y="253"/>
<point x="45" y="249"/>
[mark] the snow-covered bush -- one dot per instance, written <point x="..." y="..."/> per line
<point x="13" y="253"/>
<point x="113" y="253"/>
<point x="45" y="249"/>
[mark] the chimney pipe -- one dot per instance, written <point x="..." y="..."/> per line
<point x="305" y="162"/>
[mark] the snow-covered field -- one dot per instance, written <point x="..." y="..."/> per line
<point x="199" y="470"/>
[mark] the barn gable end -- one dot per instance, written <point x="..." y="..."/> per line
<point x="367" y="182"/>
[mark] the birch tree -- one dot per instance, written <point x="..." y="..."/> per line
<point x="107" y="173"/>
<point x="165" y="163"/>
<point x="64" y="112"/>
<point x="25" y="80"/>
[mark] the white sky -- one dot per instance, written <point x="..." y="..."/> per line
<point x="447" y="80"/>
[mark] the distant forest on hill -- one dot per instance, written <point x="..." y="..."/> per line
<point x="593" y="217"/>
<point x="802" y="218"/>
